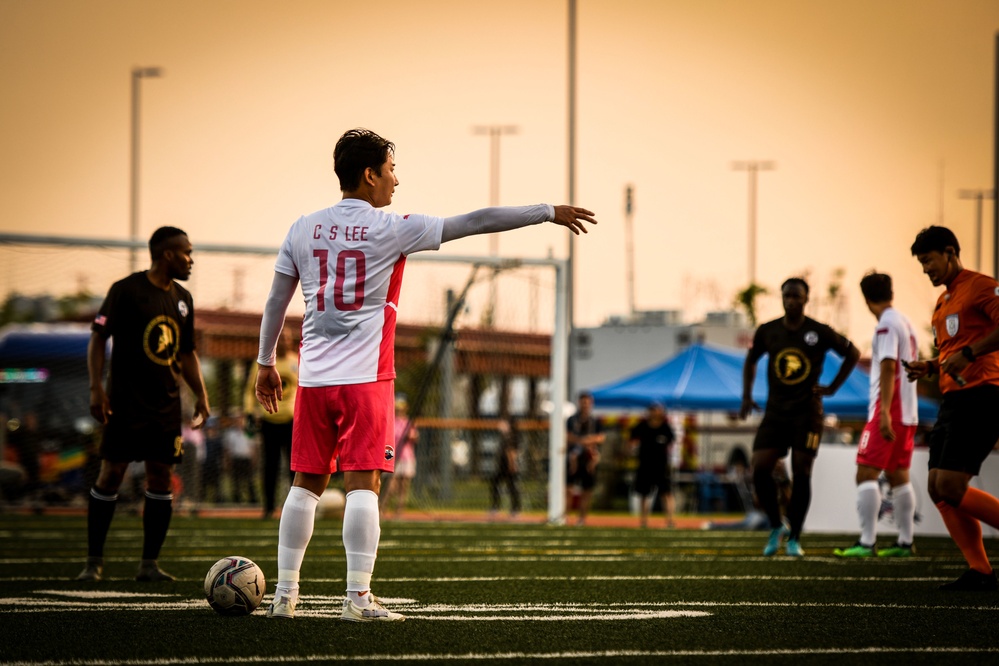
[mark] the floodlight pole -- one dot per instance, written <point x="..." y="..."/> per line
<point x="495" y="132"/>
<point x="138" y="73"/>
<point x="753" y="167"/>
<point x="570" y="273"/>
<point x="629" y="244"/>
<point x="978" y="195"/>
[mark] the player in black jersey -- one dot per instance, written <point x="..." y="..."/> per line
<point x="797" y="347"/>
<point x="150" y="319"/>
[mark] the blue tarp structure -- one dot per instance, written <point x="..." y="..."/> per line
<point x="708" y="378"/>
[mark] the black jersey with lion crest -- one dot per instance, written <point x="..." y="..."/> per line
<point x="148" y="327"/>
<point x="795" y="363"/>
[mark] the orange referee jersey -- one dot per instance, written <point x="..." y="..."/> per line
<point x="966" y="313"/>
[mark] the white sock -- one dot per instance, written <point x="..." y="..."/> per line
<point x="868" y="505"/>
<point x="905" y="511"/>
<point x="361" y="531"/>
<point x="298" y="518"/>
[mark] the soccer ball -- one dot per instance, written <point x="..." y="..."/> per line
<point x="331" y="504"/>
<point x="235" y="586"/>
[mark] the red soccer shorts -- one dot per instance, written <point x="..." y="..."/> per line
<point x="354" y="423"/>
<point x="875" y="451"/>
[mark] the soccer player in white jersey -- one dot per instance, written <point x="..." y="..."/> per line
<point x="887" y="440"/>
<point x="349" y="259"/>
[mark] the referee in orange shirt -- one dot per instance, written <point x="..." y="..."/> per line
<point x="966" y="332"/>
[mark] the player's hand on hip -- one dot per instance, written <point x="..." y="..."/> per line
<point x="747" y="406"/>
<point x="572" y="217"/>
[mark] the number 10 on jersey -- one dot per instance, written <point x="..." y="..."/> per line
<point x="353" y="259"/>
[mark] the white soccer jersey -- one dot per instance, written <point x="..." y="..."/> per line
<point x="894" y="338"/>
<point x="349" y="260"/>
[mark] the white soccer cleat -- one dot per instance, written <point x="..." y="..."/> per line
<point x="373" y="612"/>
<point x="282" y="606"/>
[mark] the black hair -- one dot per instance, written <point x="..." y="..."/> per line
<point x="161" y="239"/>
<point x="357" y="150"/>
<point x="876" y="287"/>
<point x="798" y="281"/>
<point x="935" y="239"/>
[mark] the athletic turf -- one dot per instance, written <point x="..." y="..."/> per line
<point x="493" y="593"/>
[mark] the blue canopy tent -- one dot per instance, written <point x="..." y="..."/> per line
<point x="708" y="378"/>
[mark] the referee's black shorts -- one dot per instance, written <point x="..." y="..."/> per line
<point x="966" y="430"/>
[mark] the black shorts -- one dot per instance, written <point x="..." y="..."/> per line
<point x="125" y="444"/>
<point x="646" y="481"/>
<point x="583" y="479"/>
<point x="966" y="430"/>
<point x="794" y="432"/>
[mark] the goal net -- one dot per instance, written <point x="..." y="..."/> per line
<point x="480" y="356"/>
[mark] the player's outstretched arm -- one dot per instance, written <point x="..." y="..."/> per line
<point x="504" y="218"/>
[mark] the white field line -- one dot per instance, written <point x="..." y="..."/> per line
<point x="610" y="655"/>
<point x="648" y="578"/>
<point x="328" y="606"/>
<point x="550" y="556"/>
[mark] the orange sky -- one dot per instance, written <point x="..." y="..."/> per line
<point x="875" y="111"/>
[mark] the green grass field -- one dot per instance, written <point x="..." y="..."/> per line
<point x="493" y="593"/>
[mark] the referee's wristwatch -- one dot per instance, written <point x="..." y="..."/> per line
<point x="968" y="353"/>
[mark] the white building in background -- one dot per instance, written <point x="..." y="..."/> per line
<point x="624" y="345"/>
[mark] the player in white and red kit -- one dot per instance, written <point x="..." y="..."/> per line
<point x="887" y="440"/>
<point x="349" y="260"/>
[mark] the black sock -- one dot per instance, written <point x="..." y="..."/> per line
<point x="100" y="511"/>
<point x="766" y="493"/>
<point x="155" y="523"/>
<point x="797" y="508"/>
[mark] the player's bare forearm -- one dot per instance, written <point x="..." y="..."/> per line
<point x="886" y="382"/>
<point x="190" y="366"/>
<point x="748" y="377"/>
<point x="849" y="363"/>
<point x="100" y="406"/>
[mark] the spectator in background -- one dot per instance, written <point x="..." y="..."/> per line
<point x="584" y="437"/>
<point x="190" y="469"/>
<point x="690" y="460"/>
<point x="652" y="440"/>
<point x="24" y="436"/>
<point x="400" y="481"/>
<point x="276" y="428"/>
<point x="214" y="463"/>
<point x="241" y="452"/>
<point x="507" y="467"/>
